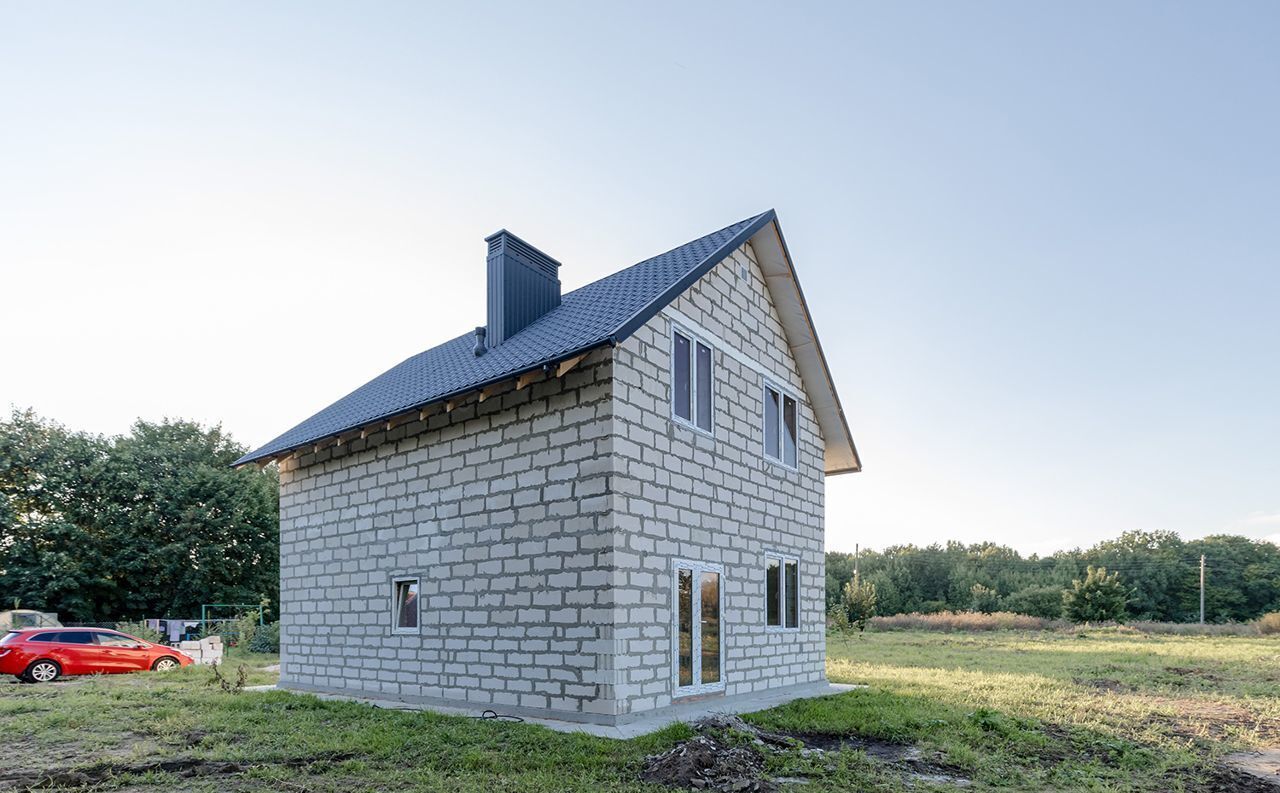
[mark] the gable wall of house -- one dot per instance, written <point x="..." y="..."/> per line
<point x="500" y="508"/>
<point x="679" y="494"/>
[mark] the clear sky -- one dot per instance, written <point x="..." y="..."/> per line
<point x="1041" y="243"/>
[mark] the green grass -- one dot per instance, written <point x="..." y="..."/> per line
<point x="1101" y="711"/>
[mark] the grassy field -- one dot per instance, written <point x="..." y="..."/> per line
<point x="1098" y="711"/>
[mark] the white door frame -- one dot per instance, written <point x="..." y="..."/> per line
<point x="695" y="648"/>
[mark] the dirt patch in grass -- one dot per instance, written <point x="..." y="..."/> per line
<point x="1105" y="684"/>
<point x="1231" y="780"/>
<point x="729" y="754"/>
<point x="1207" y="719"/>
<point x="704" y="763"/>
<point x="1186" y="671"/>
<point x="34" y="757"/>
<point x="1263" y="764"/>
<point x="21" y="780"/>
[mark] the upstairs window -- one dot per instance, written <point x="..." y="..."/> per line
<point x="691" y="380"/>
<point x="404" y="605"/>
<point x="782" y="592"/>
<point x="780" y="426"/>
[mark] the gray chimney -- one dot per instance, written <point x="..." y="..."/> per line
<point x="524" y="284"/>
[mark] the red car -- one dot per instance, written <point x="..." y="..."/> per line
<point x="42" y="655"/>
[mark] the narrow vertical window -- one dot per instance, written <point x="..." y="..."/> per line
<point x="404" y="608"/>
<point x="684" y="607"/>
<point x="681" y="382"/>
<point x="781" y="426"/>
<point x="710" y="627"/>
<point x="692" y="381"/>
<point x="789" y="431"/>
<point x="793" y="594"/>
<point x="704" y="387"/>
<point x="773" y="593"/>
<point x="698" y="628"/>
<point x="781" y="592"/>
<point x="771" y="416"/>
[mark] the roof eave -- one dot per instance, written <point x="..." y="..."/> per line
<point x="267" y="452"/>
<point x="831" y="414"/>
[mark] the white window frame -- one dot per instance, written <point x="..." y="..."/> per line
<point x="695" y="649"/>
<point x="694" y="340"/>
<point x="783" y="392"/>
<point x="782" y="559"/>
<point x="396" y="581"/>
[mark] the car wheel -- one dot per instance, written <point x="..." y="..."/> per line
<point x="43" y="672"/>
<point x="164" y="664"/>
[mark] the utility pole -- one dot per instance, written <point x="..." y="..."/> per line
<point x="1201" y="589"/>
<point x="855" y="564"/>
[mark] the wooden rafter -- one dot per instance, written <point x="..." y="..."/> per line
<point x="525" y="379"/>
<point x="565" y="366"/>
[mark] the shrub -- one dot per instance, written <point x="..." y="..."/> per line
<point x="837" y="619"/>
<point x="266" y="638"/>
<point x="963" y="621"/>
<point x="859" y="603"/>
<point x="1098" y="598"/>
<point x="1036" y="601"/>
<point x="1269" y="624"/>
<point x="140" y="630"/>
<point x="1004" y="620"/>
<point x="245" y="626"/>
<point x="983" y="599"/>
<point x="1196" y="629"/>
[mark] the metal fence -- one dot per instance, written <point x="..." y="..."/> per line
<point x="177" y="630"/>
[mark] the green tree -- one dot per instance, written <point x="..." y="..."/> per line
<point x="859" y="602"/>
<point x="983" y="599"/>
<point x="150" y="524"/>
<point x="1098" y="598"/>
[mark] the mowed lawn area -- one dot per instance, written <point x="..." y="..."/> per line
<point x="1099" y="710"/>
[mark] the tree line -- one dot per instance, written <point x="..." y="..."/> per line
<point x="153" y="523"/>
<point x="1158" y="571"/>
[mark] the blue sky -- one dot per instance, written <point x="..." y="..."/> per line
<point x="1040" y="243"/>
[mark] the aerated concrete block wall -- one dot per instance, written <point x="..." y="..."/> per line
<point x="543" y="523"/>
<point x="681" y="494"/>
<point x="501" y="508"/>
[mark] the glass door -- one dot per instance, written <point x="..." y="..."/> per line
<point x="698" y="662"/>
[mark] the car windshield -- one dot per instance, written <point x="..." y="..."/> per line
<point x="11" y="636"/>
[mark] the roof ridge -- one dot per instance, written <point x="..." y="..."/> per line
<point x="743" y="222"/>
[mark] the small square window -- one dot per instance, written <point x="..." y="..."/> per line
<point x="404" y="605"/>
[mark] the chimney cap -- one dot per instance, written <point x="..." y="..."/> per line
<point x="502" y="236"/>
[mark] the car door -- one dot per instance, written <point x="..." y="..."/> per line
<point x="76" y="653"/>
<point x="124" y="653"/>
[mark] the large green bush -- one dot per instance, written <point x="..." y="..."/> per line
<point x="1036" y="601"/>
<point x="1100" y="597"/>
<point x="983" y="599"/>
<point x="266" y="639"/>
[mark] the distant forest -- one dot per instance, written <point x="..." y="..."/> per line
<point x="1161" y="570"/>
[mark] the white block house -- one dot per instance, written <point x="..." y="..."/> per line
<point x="595" y="507"/>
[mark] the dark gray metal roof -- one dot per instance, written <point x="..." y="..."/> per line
<point x="604" y="312"/>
